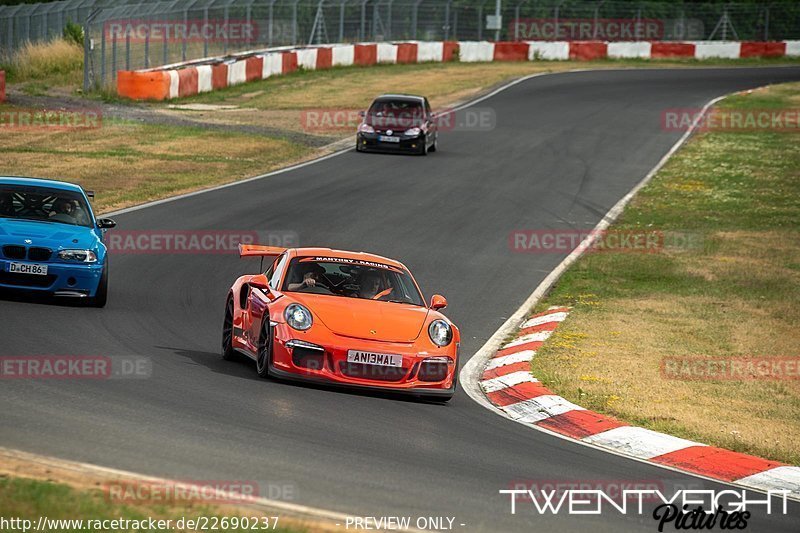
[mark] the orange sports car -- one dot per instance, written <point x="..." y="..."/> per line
<point x="345" y="318"/>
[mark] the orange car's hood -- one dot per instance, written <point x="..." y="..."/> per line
<point x="367" y="319"/>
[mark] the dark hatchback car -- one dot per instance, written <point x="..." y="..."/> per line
<point x="398" y="123"/>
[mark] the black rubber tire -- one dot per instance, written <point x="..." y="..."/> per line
<point x="228" y="353"/>
<point x="424" y="148"/>
<point x="435" y="145"/>
<point x="101" y="296"/>
<point x="264" y="354"/>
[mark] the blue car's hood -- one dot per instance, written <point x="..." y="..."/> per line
<point x="53" y="235"/>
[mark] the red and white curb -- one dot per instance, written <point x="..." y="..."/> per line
<point x="199" y="76"/>
<point x="509" y="385"/>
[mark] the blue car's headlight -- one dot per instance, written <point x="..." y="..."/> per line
<point x="82" y="256"/>
<point x="298" y="317"/>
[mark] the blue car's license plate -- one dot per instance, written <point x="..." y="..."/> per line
<point x="387" y="139"/>
<point x="27" y="268"/>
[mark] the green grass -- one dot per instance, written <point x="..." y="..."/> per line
<point x="30" y="499"/>
<point x="734" y="294"/>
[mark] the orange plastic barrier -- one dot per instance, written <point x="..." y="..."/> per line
<point x="187" y="81"/>
<point x="510" y="51"/>
<point x="324" y="58"/>
<point x="143" y="85"/>
<point x="762" y="49"/>
<point x="587" y="50"/>
<point x="289" y="62"/>
<point x="407" y="53"/>
<point x="660" y="50"/>
<point x="219" y="76"/>
<point x="365" y="54"/>
<point x="253" y="68"/>
<point x="449" y="51"/>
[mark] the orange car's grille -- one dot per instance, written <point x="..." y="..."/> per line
<point x="432" y="372"/>
<point x="373" y="372"/>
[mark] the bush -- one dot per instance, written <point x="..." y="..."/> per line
<point x="73" y="33"/>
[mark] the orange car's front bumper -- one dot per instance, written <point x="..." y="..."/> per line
<point x="426" y="372"/>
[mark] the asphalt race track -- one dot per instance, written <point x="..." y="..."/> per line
<point x="565" y="148"/>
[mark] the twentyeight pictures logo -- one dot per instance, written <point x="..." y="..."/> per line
<point x="683" y="509"/>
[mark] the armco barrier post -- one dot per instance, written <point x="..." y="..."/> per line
<point x="87" y="43"/>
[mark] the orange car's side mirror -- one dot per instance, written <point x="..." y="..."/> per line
<point x="260" y="282"/>
<point x="438" y="301"/>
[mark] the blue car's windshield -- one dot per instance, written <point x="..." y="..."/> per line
<point x="44" y="204"/>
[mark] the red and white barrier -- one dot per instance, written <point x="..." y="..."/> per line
<point x="508" y="384"/>
<point x="547" y="50"/>
<point x="188" y="79"/>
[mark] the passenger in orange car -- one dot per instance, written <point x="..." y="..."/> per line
<point x="370" y="286"/>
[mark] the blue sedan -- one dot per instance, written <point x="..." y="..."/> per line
<point x="50" y="241"/>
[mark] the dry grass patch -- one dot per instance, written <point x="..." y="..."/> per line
<point x="127" y="163"/>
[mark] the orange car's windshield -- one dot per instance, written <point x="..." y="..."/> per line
<point x="351" y="278"/>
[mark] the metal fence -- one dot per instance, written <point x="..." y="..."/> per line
<point x="132" y="34"/>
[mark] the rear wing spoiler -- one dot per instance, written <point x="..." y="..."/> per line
<point x="258" y="250"/>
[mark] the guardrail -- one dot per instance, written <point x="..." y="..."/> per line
<point x="209" y="74"/>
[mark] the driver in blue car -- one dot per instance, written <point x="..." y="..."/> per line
<point x="63" y="211"/>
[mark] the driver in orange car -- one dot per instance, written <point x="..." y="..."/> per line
<point x="311" y="273"/>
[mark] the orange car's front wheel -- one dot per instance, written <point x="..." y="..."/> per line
<point x="264" y="355"/>
<point x="228" y="353"/>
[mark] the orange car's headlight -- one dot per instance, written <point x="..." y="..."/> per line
<point x="298" y="317"/>
<point x="440" y="332"/>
